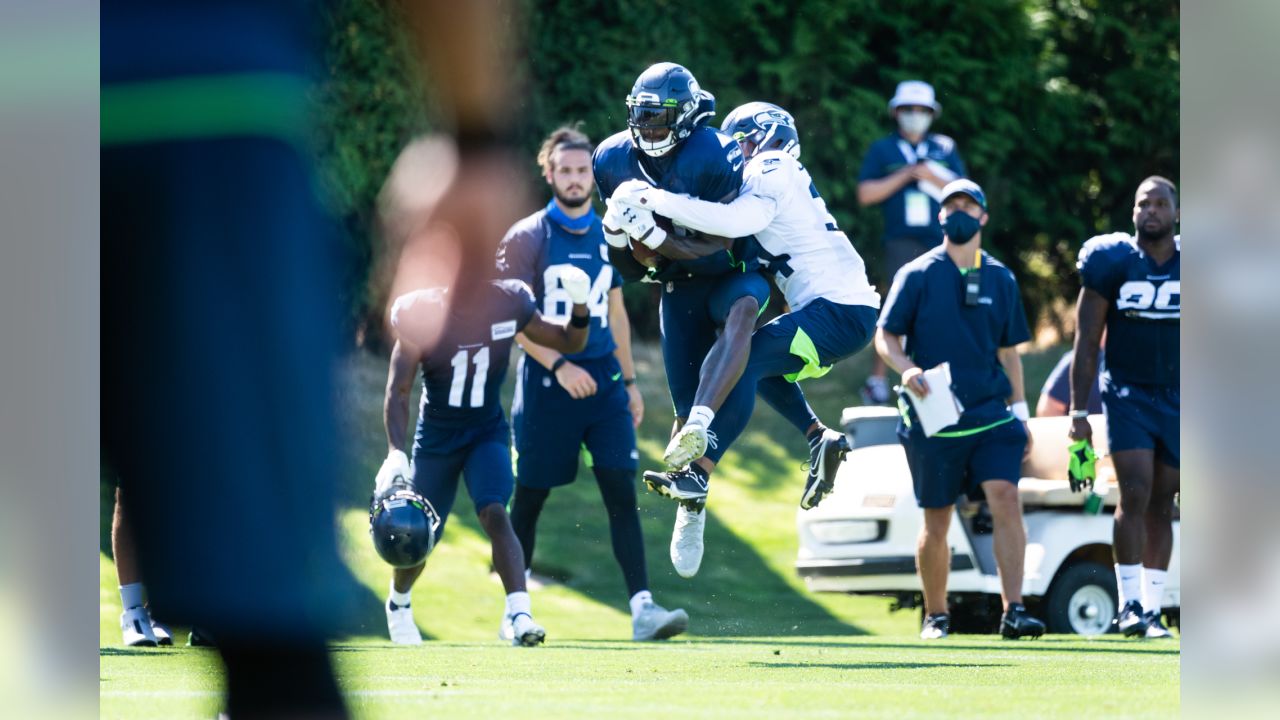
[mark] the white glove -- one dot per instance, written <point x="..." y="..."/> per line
<point x="576" y="283"/>
<point x="640" y="226"/>
<point x="638" y="193"/>
<point x="612" y="223"/>
<point x="395" y="466"/>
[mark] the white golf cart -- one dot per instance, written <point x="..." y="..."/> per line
<point x="862" y="538"/>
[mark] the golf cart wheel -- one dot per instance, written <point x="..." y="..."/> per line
<point x="1082" y="600"/>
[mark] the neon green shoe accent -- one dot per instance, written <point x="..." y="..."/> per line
<point x="1083" y="464"/>
<point x="190" y="108"/>
<point x="616" y="376"/>
<point x="586" y="457"/>
<point x="802" y="347"/>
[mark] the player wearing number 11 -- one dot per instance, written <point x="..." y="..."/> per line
<point x="462" y="336"/>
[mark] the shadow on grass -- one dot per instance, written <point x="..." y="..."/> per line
<point x="872" y="665"/>
<point x="949" y="645"/>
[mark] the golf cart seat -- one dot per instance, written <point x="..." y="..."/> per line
<point x="1044" y="472"/>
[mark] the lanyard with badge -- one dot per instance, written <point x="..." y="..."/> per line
<point x="916" y="202"/>
<point x="973" y="280"/>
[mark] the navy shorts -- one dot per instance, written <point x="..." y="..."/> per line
<point x="691" y="314"/>
<point x="551" y="427"/>
<point x="1143" y="417"/>
<point x="807" y="342"/>
<point x="944" y="468"/>
<point x="481" y="455"/>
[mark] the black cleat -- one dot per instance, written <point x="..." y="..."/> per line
<point x="1156" y="629"/>
<point x="826" y="453"/>
<point x="1131" y="621"/>
<point x="199" y="638"/>
<point x="1018" y="623"/>
<point x="686" y="486"/>
<point x="936" y="626"/>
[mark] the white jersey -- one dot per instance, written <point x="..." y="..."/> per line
<point x="780" y="206"/>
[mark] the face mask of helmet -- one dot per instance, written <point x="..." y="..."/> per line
<point x="914" y="122"/>
<point x="654" y="129"/>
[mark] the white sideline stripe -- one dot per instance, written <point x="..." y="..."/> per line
<point x="218" y="693"/>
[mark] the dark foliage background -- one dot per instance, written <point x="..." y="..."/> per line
<point x="1059" y="107"/>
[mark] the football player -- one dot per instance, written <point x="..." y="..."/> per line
<point x="587" y="399"/>
<point x="833" y="306"/>
<point x="1132" y="289"/>
<point x="137" y="627"/>
<point x="721" y="293"/>
<point x="461" y="336"/>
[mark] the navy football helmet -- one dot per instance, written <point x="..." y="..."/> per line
<point x="403" y="525"/>
<point x="663" y="108"/>
<point x="760" y="126"/>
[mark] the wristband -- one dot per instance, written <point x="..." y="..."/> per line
<point x="1020" y="410"/>
<point x="654" y="238"/>
<point x="628" y="382"/>
<point x="1079" y="414"/>
<point x="579" y="321"/>
<point x="559" y="361"/>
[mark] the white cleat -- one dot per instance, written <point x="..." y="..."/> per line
<point x="162" y="633"/>
<point x="686" y="540"/>
<point x="525" y="632"/>
<point x="135" y="628"/>
<point x="506" y="631"/>
<point x="658" y="623"/>
<point x="400" y="625"/>
<point x="688" y="445"/>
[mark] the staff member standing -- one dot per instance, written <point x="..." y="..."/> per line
<point x="958" y="305"/>
<point x="904" y="174"/>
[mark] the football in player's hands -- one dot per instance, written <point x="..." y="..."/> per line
<point x="612" y="225"/>
<point x="645" y="256"/>
<point x="576" y="283"/>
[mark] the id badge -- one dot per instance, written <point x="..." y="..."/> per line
<point x="917" y="204"/>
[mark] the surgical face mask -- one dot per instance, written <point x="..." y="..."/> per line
<point x="960" y="227"/>
<point x="914" y="122"/>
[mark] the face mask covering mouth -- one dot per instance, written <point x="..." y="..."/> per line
<point x="960" y="227"/>
<point x="914" y="122"/>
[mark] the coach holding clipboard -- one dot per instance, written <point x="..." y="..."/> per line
<point x="955" y="304"/>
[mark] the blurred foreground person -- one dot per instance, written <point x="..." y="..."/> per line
<point x="1132" y="289"/>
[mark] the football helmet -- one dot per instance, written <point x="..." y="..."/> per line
<point x="663" y="108"/>
<point x="403" y="525"/>
<point x="759" y="126"/>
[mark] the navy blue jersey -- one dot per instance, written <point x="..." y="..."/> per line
<point x="707" y="166"/>
<point x="536" y="251"/>
<point x="1145" y="308"/>
<point x="464" y="371"/>
<point x="910" y="213"/>
<point x="926" y="305"/>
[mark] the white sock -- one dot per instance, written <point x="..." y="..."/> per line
<point x="1129" y="582"/>
<point x="701" y="415"/>
<point x="400" y="599"/>
<point x="639" y="600"/>
<point x="518" y="602"/>
<point x="131" y="595"/>
<point x="1153" y="589"/>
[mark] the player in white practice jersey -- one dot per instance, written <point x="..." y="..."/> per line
<point x="833" y="307"/>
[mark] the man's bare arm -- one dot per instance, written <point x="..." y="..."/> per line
<point x="395" y="407"/>
<point x="1091" y="320"/>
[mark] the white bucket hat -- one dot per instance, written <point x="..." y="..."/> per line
<point x="915" y="92"/>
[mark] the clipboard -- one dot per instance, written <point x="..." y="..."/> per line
<point x="940" y="408"/>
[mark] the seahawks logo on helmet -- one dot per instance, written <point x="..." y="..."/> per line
<point x="663" y="108"/>
<point x="760" y="126"/>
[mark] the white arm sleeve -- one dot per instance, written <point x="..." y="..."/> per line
<point x="767" y="180"/>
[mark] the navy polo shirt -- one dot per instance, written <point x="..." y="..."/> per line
<point x="926" y="306"/>
<point x="886" y="156"/>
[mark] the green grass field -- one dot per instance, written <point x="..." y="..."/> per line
<point x="759" y="643"/>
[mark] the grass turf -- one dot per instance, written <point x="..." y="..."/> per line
<point x="745" y="677"/>
<point x="836" y="655"/>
